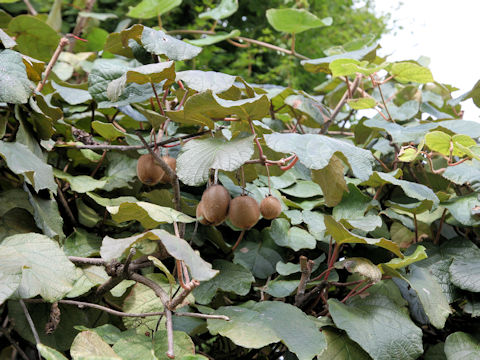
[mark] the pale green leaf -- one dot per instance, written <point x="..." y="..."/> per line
<point x="81" y="183"/>
<point x="89" y="345"/>
<point x="6" y="40"/>
<point x="213" y="39"/>
<point x="465" y="273"/>
<point x="463" y="346"/>
<point x="341" y="347"/>
<point x="206" y="80"/>
<point x="225" y="9"/>
<point x="50" y="354"/>
<point x="411" y="72"/>
<point x="15" y="87"/>
<point x="417" y="255"/>
<point x="147" y="9"/>
<point x="159" y="43"/>
<point x="362" y="103"/>
<point x="295" y="20"/>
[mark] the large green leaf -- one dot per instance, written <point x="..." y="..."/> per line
<point x="22" y="161"/>
<point x="463" y="346"/>
<point x="43" y="267"/>
<point x="343" y="236"/>
<point x="147" y="9"/>
<point x="303" y="189"/>
<point x="143" y="347"/>
<point x="81" y="183"/>
<point x="465" y="273"/>
<point x="206" y="80"/>
<point x="341" y="347"/>
<point x="295" y="20"/>
<point x="106" y="70"/>
<point x="34" y="37"/>
<point x="461" y="208"/>
<point x="89" y="345"/>
<point x="146" y="74"/>
<point x="411" y="72"/>
<point x="71" y="95"/>
<point x="15" y="87"/>
<point x="176" y="247"/>
<point x="332" y="181"/>
<point x="46" y="214"/>
<point x="255" y="325"/>
<point x="149" y="215"/>
<point x="6" y="40"/>
<point x="225" y="9"/>
<point x="292" y="237"/>
<point x="159" y="43"/>
<point x="466" y="172"/>
<point x="322" y="64"/>
<point x="379" y="326"/>
<point x="315" y="151"/>
<point x="121" y="171"/>
<point x="417" y="255"/>
<point x="231" y="278"/>
<point x="198" y="156"/>
<point x="430" y="294"/>
<point x="107" y="130"/>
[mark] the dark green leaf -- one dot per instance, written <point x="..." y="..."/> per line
<point x="295" y="20"/>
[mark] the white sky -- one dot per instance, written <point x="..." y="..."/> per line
<point x="446" y="31"/>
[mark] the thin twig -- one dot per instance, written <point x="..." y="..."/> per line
<point x="169" y="325"/>
<point x="86" y="261"/>
<point x="99" y="163"/>
<point x="158" y="99"/>
<point x="306" y="267"/>
<point x="32" y="326"/>
<point x="65" y="203"/>
<point x="62" y="43"/>
<point x="240" y="237"/>
<point x="439" y="230"/>
<point x="81" y="22"/>
<point x="30" y="8"/>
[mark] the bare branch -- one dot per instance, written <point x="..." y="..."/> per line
<point x="169" y="325"/>
<point x="157" y="289"/>
<point x="63" y="42"/>
<point x="179" y="298"/>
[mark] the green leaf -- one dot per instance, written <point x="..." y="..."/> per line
<point x="464" y="273"/>
<point x="315" y="151"/>
<point x="347" y="67"/>
<point x="379" y="326"/>
<point x="15" y="87"/>
<point x="255" y="325"/>
<point x="159" y="43"/>
<point x="362" y="103"/>
<point x="147" y="9"/>
<point x="142" y="347"/>
<point x="6" y="40"/>
<point x="303" y="189"/>
<point x="463" y="346"/>
<point x="198" y="156"/>
<point x="410" y="72"/>
<point x="71" y="95"/>
<point x="430" y="294"/>
<point x="411" y="189"/>
<point x="42" y="265"/>
<point x="295" y="20"/>
<point x="34" y="37"/>
<point x="146" y="74"/>
<point x="260" y="257"/>
<point x="213" y="39"/>
<point x="343" y="236"/>
<point x="149" y="215"/>
<point x="461" y="208"/>
<point x="322" y="64"/>
<point x="293" y="237"/>
<point x="438" y="141"/>
<point x="82" y="243"/>
<point x="340" y="346"/>
<point x="332" y="181"/>
<point x="81" y="183"/>
<point x="280" y="288"/>
<point x="50" y="354"/>
<point x="417" y="255"/>
<point x="206" y="80"/>
<point x="55" y="16"/>
<point x="97" y="16"/>
<point x="89" y="345"/>
<point x="225" y="9"/>
<point x="159" y="265"/>
<point x="14" y="198"/>
<point x="107" y="130"/>
<point x="360" y="266"/>
<point x="22" y="161"/>
<point x="231" y="278"/>
<point x="121" y="171"/>
<point x="310" y="107"/>
<point x="46" y="214"/>
<point x="176" y="247"/>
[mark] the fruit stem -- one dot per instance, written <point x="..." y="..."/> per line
<point x="240" y="237"/>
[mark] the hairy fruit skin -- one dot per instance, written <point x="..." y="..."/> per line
<point x="148" y="170"/>
<point x="199" y="214"/>
<point x="270" y="207"/>
<point x="172" y="163"/>
<point x="215" y="204"/>
<point x="244" y="212"/>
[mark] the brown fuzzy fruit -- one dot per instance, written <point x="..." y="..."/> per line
<point x="244" y="212"/>
<point x="199" y="212"/>
<point x="172" y="162"/>
<point x="270" y="207"/>
<point x="215" y="202"/>
<point x="148" y="171"/>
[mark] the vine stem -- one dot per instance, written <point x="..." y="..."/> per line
<point x="169" y="325"/>
<point x="240" y="237"/>
<point x="439" y="231"/>
<point x="62" y="43"/>
<point x="32" y="325"/>
<point x="159" y="103"/>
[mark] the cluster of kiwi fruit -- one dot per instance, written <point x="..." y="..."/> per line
<point x="151" y="173"/>
<point x="243" y="211"/>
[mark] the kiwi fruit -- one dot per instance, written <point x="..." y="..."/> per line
<point x="270" y="207"/>
<point x="199" y="213"/>
<point x="244" y="212"/>
<point x="215" y="203"/>
<point x="172" y="162"/>
<point x="148" y="171"/>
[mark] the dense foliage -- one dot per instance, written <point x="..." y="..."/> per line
<point x="375" y="251"/>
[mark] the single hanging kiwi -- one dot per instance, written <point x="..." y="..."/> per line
<point x="172" y="162"/>
<point x="148" y="171"/>
<point x="270" y="207"/>
<point x="244" y="212"/>
<point x="215" y="203"/>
